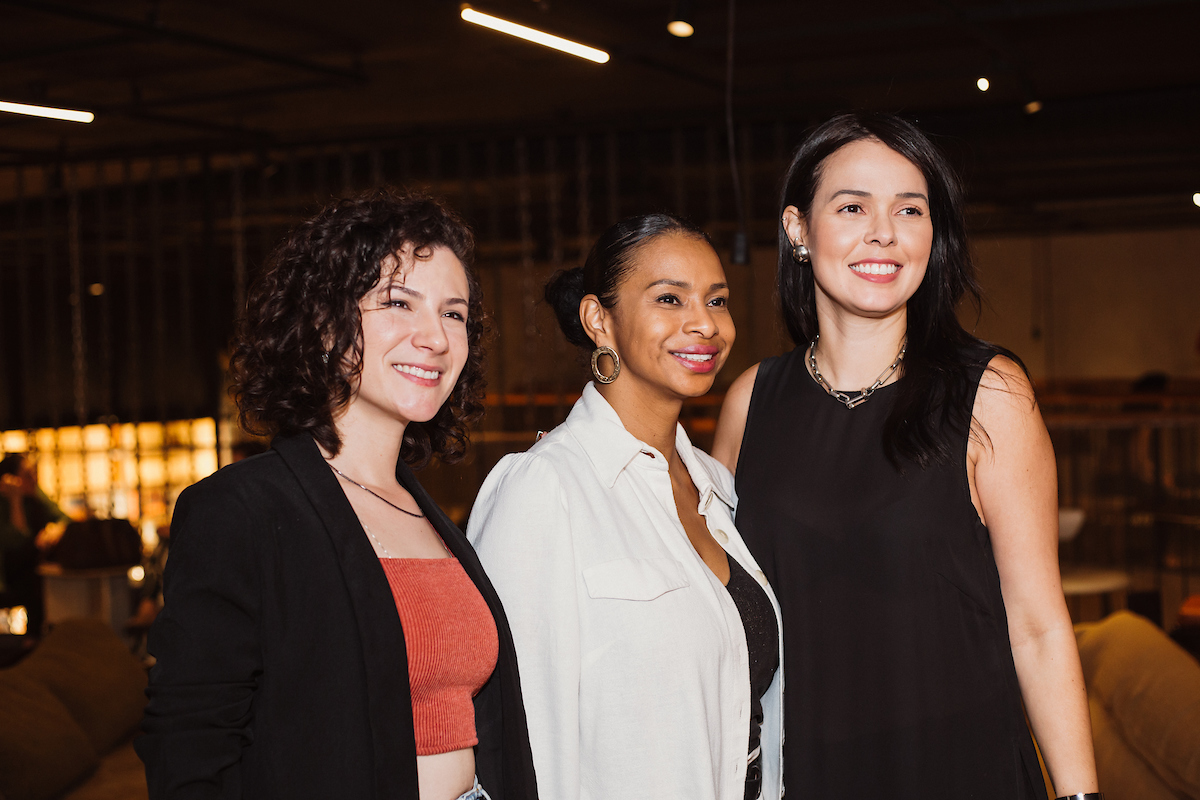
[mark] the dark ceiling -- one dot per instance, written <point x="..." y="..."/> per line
<point x="1119" y="80"/>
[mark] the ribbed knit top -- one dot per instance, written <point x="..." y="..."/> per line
<point x="452" y="648"/>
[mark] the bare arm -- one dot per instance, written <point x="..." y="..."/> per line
<point x="732" y="423"/>
<point x="1014" y="486"/>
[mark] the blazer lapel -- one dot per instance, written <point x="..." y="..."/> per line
<point x="385" y="659"/>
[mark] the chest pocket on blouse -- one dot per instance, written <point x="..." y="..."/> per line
<point x="634" y="578"/>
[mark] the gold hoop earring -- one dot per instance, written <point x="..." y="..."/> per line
<point x="605" y="351"/>
<point x="801" y="253"/>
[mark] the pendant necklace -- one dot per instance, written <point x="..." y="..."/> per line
<point x="850" y="401"/>
<point x="345" y="477"/>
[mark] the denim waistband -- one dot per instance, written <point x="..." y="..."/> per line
<point x="476" y="792"/>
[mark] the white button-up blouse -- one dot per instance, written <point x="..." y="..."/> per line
<point x="632" y="655"/>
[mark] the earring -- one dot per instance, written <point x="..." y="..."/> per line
<point x="801" y="254"/>
<point x="605" y="351"/>
<point x="325" y="357"/>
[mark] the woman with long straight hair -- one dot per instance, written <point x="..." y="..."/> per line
<point x="648" y="636"/>
<point x="897" y="483"/>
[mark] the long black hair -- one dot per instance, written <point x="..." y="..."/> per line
<point x="936" y="394"/>
<point x="606" y="266"/>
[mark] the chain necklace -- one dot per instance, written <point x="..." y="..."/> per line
<point x="862" y="397"/>
<point x="344" y="476"/>
<point x="383" y="550"/>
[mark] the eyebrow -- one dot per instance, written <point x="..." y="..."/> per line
<point x="413" y="293"/>
<point x="861" y="193"/>
<point x="683" y="284"/>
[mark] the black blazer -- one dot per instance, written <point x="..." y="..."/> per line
<point x="281" y="665"/>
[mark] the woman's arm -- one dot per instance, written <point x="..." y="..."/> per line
<point x="1014" y="486"/>
<point x="207" y="645"/>
<point x="731" y="425"/>
<point x="521" y="530"/>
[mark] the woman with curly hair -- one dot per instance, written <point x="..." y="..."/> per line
<point x="327" y="631"/>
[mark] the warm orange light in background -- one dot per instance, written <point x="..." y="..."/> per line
<point x="14" y="620"/>
<point x="533" y="35"/>
<point x="127" y="470"/>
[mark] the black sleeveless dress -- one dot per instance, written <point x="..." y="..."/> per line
<point x="901" y="681"/>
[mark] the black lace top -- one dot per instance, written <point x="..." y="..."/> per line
<point x="762" y="640"/>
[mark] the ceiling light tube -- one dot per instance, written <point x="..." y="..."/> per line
<point x="534" y="35"/>
<point x="46" y="111"/>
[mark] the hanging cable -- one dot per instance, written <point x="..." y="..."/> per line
<point x="741" y="247"/>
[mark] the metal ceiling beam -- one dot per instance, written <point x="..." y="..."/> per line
<point x="66" y="48"/>
<point x="185" y="37"/>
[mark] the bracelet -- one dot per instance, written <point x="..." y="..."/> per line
<point x="1082" y="796"/>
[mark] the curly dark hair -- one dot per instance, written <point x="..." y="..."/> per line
<point x="302" y="325"/>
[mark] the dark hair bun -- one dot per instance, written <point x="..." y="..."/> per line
<point x="563" y="293"/>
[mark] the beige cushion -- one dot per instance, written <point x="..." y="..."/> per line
<point x="92" y="672"/>
<point x="42" y="749"/>
<point x="1123" y="774"/>
<point x="120" y="775"/>
<point x="1149" y="689"/>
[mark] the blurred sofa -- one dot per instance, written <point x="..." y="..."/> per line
<point x="1144" y="695"/>
<point x="70" y="709"/>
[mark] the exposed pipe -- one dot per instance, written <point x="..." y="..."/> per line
<point x="184" y="37"/>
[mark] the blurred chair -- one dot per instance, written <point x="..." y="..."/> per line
<point x="1083" y="581"/>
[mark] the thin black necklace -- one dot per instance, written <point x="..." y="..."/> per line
<point x="366" y="489"/>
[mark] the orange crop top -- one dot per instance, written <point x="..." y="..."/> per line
<point x="452" y="647"/>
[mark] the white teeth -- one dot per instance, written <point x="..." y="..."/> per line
<point x="696" y="356"/>
<point x="428" y="374"/>
<point x="875" y="269"/>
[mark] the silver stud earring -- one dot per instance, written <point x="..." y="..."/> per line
<point x="325" y="357"/>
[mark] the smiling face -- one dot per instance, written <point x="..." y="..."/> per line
<point x="414" y="340"/>
<point x="869" y="231"/>
<point x="671" y="324"/>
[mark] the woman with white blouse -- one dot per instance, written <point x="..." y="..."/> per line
<point x="647" y="636"/>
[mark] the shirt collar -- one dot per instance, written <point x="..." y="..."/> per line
<point x="611" y="448"/>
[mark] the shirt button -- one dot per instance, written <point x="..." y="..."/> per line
<point x="760" y="576"/>
<point x="722" y="536"/>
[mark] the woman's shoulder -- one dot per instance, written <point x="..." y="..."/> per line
<point x="245" y="489"/>
<point x="537" y="468"/>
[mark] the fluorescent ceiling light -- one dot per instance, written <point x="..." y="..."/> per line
<point x="45" y="111"/>
<point x="535" y="36"/>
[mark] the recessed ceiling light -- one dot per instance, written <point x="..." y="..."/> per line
<point x="1196" y="198"/>
<point x="681" y="20"/>
<point x="983" y="84"/>
<point x="681" y="28"/>
<point x="534" y="35"/>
